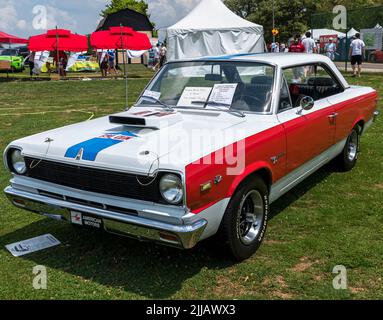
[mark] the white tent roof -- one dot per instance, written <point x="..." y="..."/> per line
<point x="316" y="33"/>
<point x="212" y="29"/>
<point x="352" y="33"/>
<point x="212" y="14"/>
<point x="378" y="26"/>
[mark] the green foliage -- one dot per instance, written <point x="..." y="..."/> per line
<point x="295" y="16"/>
<point x="117" y="5"/>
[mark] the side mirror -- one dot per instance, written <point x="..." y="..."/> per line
<point x="306" y="103"/>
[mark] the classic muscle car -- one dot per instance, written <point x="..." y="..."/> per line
<point x="205" y="150"/>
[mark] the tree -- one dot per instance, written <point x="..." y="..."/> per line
<point x="117" y="5"/>
<point x="294" y="16"/>
<point x="291" y="16"/>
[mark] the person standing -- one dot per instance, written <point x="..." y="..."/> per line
<point x="357" y="51"/>
<point x="112" y="65"/>
<point x="309" y="43"/>
<point x="104" y="64"/>
<point x="31" y="62"/>
<point x="330" y="49"/>
<point x="61" y="63"/>
<point x="275" y="47"/>
<point x="296" y="46"/>
<point x="156" y="57"/>
<point x="163" y="53"/>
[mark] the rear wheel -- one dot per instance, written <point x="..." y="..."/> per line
<point x="244" y="223"/>
<point x="349" y="156"/>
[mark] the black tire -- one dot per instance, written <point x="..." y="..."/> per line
<point x="253" y="190"/>
<point x="349" y="156"/>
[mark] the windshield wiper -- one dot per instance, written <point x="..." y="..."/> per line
<point x="216" y="105"/>
<point x="163" y="104"/>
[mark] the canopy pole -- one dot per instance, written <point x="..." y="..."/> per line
<point x="57" y="54"/>
<point x="125" y="71"/>
<point x="10" y="51"/>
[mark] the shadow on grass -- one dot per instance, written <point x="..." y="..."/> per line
<point x="301" y="189"/>
<point x="140" y="268"/>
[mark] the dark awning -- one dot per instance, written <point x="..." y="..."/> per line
<point x="127" y="18"/>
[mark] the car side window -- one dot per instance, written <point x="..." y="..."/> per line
<point x="284" y="99"/>
<point x="310" y="80"/>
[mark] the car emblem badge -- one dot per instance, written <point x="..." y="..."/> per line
<point x="275" y="159"/>
<point x="79" y="154"/>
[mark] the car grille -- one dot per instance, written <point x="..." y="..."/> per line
<point x="95" y="180"/>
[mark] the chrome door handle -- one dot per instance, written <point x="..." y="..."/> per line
<point x="333" y="115"/>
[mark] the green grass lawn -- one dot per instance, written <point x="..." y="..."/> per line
<point x="330" y="219"/>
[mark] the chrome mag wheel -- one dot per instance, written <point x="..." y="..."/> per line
<point x="251" y="214"/>
<point x="353" y="143"/>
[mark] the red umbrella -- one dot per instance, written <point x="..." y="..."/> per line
<point x="58" y="39"/>
<point x="123" y="38"/>
<point x="7" y="38"/>
<point x="120" y="38"/>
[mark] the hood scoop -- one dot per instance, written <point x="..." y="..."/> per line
<point x="153" y="119"/>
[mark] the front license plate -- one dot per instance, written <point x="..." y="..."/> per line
<point x="86" y="220"/>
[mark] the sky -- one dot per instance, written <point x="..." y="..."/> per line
<point x="23" y="17"/>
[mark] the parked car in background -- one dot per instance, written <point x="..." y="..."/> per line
<point x="208" y="146"/>
<point x="376" y="56"/>
<point x="22" y="51"/>
<point x="13" y="55"/>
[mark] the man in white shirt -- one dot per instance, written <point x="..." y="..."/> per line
<point x="309" y="43"/>
<point x="310" y="47"/>
<point x="357" y="51"/>
<point x="156" y="57"/>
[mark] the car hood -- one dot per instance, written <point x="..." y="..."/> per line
<point x="139" y="140"/>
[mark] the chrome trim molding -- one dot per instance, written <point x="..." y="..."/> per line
<point x="132" y="226"/>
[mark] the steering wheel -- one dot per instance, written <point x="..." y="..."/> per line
<point x="253" y="100"/>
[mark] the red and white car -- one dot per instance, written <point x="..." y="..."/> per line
<point x="208" y="146"/>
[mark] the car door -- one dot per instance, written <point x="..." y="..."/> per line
<point x="308" y="132"/>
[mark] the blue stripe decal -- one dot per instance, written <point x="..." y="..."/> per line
<point x="92" y="147"/>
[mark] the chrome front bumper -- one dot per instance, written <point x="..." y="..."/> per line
<point x="182" y="236"/>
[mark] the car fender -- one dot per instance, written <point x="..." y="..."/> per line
<point x="249" y="170"/>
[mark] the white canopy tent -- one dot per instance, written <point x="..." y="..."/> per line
<point x="317" y="33"/>
<point x="212" y="29"/>
<point x="352" y="32"/>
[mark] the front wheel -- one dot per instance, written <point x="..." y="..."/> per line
<point x="244" y="222"/>
<point x="349" y="156"/>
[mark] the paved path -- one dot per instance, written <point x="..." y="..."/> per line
<point x="366" y="67"/>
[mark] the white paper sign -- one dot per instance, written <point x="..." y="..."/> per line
<point x="153" y="94"/>
<point x="223" y="93"/>
<point x="194" y="94"/>
<point x="21" y="248"/>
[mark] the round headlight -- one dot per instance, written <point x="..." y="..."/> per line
<point x="171" y="188"/>
<point x="18" y="162"/>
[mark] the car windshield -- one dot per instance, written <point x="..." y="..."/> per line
<point x="9" y="52"/>
<point x="230" y="85"/>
